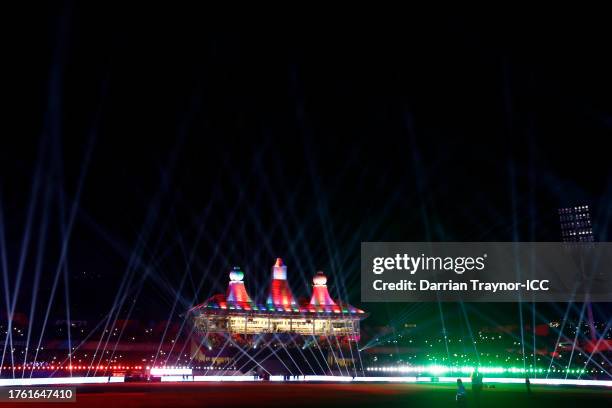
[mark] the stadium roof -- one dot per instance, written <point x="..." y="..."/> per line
<point x="280" y="298"/>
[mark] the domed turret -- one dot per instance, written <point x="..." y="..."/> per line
<point x="280" y="296"/>
<point x="236" y="292"/>
<point x="320" y="295"/>
<point x="236" y="275"/>
<point x="320" y="279"/>
<point x="279" y="270"/>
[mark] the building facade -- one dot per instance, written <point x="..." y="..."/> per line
<point x="576" y="225"/>
<point x="236" y="313"/>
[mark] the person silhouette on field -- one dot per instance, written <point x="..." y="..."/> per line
<point x="461" y="396"/>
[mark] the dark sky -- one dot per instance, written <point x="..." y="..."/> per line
<point x="180" y="143"/>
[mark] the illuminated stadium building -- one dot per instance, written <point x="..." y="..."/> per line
<point x="235" y="315"/>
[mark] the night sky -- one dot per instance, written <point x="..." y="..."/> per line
<point x="163" y="147"/>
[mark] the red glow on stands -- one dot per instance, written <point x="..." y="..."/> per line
<point x="541" y="330"/>
<point x="598" y="346"/>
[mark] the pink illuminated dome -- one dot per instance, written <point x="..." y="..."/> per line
<point x="319" y="279"/>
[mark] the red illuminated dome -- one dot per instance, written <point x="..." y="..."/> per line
<point x="280" y="296"/>
<point x="320" y="295"/>
<point x="237" y="295"/>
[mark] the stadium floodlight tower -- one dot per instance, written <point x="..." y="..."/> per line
<point x="577" y="228"/>
<point x="575" y="223"/>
